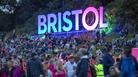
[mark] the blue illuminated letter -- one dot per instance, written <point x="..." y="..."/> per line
<point x="42" y="23"/>
<point x="59" y="22"/>
<point x="66" y="20"/>
<point x="76" y="13"/>
<point x="52" y="20"/>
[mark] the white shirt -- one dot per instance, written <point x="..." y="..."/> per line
<point x="70" y="68"/>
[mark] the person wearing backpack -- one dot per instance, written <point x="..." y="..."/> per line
<point x="128" y="64"/>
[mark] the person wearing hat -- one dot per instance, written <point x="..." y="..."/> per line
<point x="70" y="67"/>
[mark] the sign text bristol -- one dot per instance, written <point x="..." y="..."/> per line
<point x="54" y="22"/>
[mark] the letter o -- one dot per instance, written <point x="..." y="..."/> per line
<point x="86" y="26"/>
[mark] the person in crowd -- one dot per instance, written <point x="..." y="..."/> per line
<point x="24" y="67"/>
<point x="62" y="54"/>
<point x="45" y="66"/>
<point x="18" y="71"/>
<point x="92" y="66"/>
<point x="10" y="68"/>
<point x="3" y="70"/>
<point x="70" y="67"/>
<point x="128" y="64"/>
<point x="60" y="71"/>
<point x="83" y="64"/>
<point x="34" y="67"/>
<point x="108" y="61"/>
<point x="51" y="67"/>
<point x="114" y="70"/>
<point x="99" y="54"/>
<point x="99" y="68"/>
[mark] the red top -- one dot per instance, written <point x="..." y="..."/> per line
<point x="61" y="74"/>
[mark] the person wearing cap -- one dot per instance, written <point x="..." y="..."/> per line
<point x="70" y="67"/>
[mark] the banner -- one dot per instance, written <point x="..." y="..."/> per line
<point x="135" y="53"/>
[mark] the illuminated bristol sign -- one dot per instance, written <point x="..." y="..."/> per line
<point x="52" y="23"/>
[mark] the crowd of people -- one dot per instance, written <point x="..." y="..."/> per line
<point x="21" y="56"/>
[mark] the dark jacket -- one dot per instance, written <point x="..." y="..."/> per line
<point x="34" y="68"/>
<point x="108" y="61"/>
<point x="82" y="68"/>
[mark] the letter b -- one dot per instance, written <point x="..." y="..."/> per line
<point x="42" y="23"/>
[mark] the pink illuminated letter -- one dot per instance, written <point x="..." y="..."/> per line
<point x="86" y="26"/>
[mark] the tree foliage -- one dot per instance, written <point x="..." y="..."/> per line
<point x="125" y="10"/>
